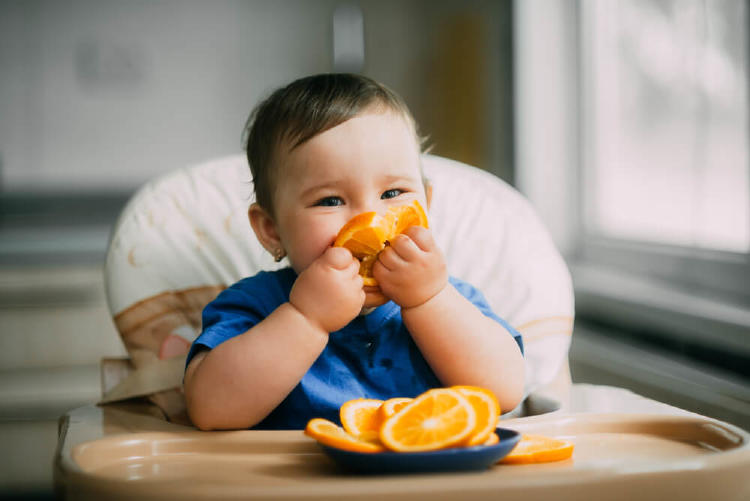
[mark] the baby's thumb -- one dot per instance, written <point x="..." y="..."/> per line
<point x="338" y="257"/>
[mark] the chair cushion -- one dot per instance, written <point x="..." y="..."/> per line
<point x="493" y="239"/>
<point x="185" y="236"/>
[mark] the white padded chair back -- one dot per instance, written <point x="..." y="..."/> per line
<point x="185" y="236"/>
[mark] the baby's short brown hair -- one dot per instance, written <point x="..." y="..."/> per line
<point x="302" y="110"/>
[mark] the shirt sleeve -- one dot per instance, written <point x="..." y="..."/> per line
<point x="236" y="310"/>
<point x="477" y="299"/>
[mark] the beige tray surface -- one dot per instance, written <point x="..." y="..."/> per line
<point x="617" y="456"/>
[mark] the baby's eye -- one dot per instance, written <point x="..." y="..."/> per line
<point x="330" y="202"/>
<point x="391" y="193"/>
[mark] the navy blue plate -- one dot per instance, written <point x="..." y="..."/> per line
<point x="479" y="457"/>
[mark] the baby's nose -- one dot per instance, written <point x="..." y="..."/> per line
<point x="379" y="208"/>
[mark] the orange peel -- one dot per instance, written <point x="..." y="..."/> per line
<point x="487" y="409"/>
<point x="329" y="433"/>
<point x="361" y="417"/>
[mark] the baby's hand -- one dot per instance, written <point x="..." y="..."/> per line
<point x="411" y="270"/>
<point x="329" y="291"/>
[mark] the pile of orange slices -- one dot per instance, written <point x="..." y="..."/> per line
<point x="437" y="419"/>
<point x="441" y="418"/>
<point x="366" y="234"/>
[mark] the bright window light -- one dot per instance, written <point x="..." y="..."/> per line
<point x="665" y="97"/>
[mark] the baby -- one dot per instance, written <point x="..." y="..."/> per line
<point x="282" y="347"/>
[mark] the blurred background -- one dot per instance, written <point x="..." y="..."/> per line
<point x="624" y="122"/>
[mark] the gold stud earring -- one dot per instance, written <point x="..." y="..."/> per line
<point x="278" y="254"/>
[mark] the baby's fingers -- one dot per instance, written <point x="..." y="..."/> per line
<point x="405" y="248"/>
<point x="339" y="258"/>
<point x="422" y="237"/>
<point x="390" y="259"/>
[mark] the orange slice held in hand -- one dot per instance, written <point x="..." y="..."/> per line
<point x="366" y="234"/>
<point x="404" y="216"/>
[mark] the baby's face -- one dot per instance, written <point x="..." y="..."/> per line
<point x="367" y="163"/>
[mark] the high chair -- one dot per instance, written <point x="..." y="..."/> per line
<point x="185" y="236"/>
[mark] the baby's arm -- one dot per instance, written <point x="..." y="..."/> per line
<point x="461" y="344"/>
<point x="243" y="379"/>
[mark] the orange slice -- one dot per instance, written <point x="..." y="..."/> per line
<point x="436" y="419"/>
<point x="539" y="449"/>
<point x="361" y="418"/>
<point x="392" y="406"/>
<point x="365" y="234"/>
<point x="493" y="439"/>
<point x="332" y="435"/>
<point x="487" y="410"/>
<point x="404" y="216"/>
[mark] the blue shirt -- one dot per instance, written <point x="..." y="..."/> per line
<point x="372" y="357"/>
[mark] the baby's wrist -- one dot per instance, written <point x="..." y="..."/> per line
<point x="315" y="325"/>
<point x="426" y="302"/>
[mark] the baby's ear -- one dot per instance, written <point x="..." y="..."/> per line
<point x="264" y="227"/>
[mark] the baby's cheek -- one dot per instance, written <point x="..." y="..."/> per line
<point x="302" y="255"/>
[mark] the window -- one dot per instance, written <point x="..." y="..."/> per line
<point x="632" y="144"/>
<point x="664" y="141"/>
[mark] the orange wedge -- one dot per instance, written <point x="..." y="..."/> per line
<point x="539" y="449"/>
<point x="392" y="406"/>
<point x="332" y="435"/>
<point x="436" y="419"/>
<point x="487" y="410"/>
<point x="404" y="216"/>
<point x="365" y="234"/>
<point x="361" y="418"/>
<point x="493" y="439"/>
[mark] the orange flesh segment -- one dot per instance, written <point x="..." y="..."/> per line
<point x="539" y="449"/>
<point x="361" y="418"/>
<point x="365" y="269"/>
<point x="363" y="235"/>
<point x="392" y="406"/>
<point x="493" y="439"/>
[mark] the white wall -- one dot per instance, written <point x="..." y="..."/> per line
<point x="105" y="94"/>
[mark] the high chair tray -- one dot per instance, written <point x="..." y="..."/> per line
<point x="616" y="456"/>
